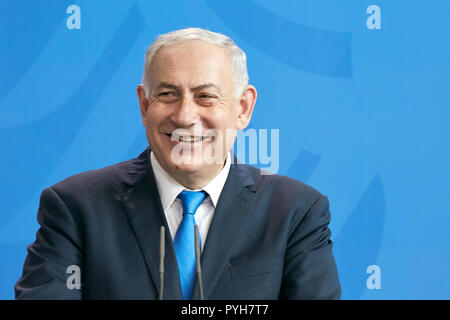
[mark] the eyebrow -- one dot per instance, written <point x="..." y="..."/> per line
<point x="167" y="85"/>
<point x="206" y="86"/>
<point x="197" y="88"/>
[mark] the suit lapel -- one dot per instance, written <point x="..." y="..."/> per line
<point x="146" y="215"/>
<point x="229" y="219"/>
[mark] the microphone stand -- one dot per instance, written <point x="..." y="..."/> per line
<point x="161" y="262"/>
<point x="197" y="259"/>
<point x="162" y="251"/>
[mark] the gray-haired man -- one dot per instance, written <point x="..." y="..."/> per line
<point x="262" y="236"/>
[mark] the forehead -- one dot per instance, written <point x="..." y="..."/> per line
<point x="191" y="61"/>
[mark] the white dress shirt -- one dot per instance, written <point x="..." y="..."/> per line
<point x="169" y="189"/>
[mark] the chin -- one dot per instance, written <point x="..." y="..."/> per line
<point x="190" y="168"/>
<point x="206" y="168"/>
<point x="193" y="167"/>
<point x="198" y="161"/>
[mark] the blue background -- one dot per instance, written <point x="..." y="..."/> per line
<point x="363" y="116"/>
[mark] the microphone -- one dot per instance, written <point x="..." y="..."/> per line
<point x="162" y="250"/>
<point x="197" y="259"/>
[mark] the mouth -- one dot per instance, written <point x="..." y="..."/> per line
<point x="188" y="138"/>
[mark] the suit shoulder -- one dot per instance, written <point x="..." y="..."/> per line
<point x="107" y="178"/>
<point x="264" y="178"/>
<point x="284" y="188"/>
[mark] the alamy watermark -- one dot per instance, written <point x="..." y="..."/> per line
<point x="374" y="280"/>
<point x="74" y="20"/>
<point x="74" y="280"/>
<point x="209" y="146"/>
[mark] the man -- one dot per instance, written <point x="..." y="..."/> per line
<point x="262" y="236"/>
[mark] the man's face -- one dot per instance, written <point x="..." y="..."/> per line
<point x="191" y="98"/>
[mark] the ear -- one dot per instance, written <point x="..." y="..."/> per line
<point x="143" y="102"/>
<point x="247" y="103"/>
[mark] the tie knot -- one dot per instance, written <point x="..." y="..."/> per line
<point x="191" y="200"/>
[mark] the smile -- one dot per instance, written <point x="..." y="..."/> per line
<point x="182" y="138"/>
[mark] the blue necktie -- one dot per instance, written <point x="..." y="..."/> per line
<point x="185" y="242"/>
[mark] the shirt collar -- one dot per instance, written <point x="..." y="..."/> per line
<point x="169" y="188"/>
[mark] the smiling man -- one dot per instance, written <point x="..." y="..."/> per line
<point x="192" y="85"/>
<point x="261" y="236"/>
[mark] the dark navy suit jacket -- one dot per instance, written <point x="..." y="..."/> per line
<point x="269" y="239"/>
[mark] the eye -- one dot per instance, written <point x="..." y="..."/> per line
<point x="206" y="96"/>
<point x="166" y="93"/>
<point x="167" y="96"/>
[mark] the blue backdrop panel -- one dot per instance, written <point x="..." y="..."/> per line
<point x="360" y="98"/>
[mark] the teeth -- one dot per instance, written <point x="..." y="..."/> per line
<point x="188" y="138"/>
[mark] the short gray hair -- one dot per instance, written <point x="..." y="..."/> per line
<point x="238" y="58"/>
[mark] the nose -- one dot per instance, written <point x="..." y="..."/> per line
<point x="185" y="113"/>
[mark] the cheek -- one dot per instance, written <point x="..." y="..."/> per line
<point x="155" y="116"/>
<point x="222" y="118"/>
<point x="226" y="124"/>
